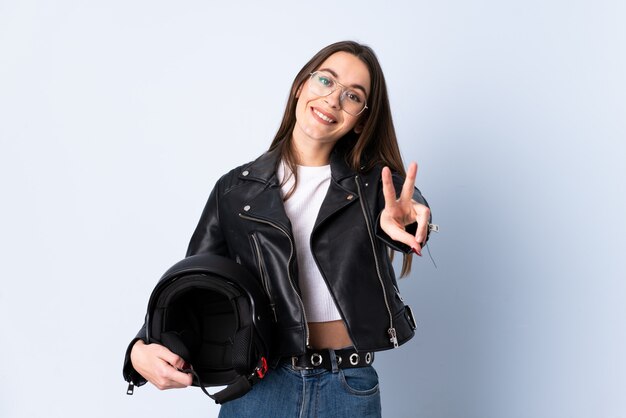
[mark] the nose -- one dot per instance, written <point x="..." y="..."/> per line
<point x="334" y="99"/>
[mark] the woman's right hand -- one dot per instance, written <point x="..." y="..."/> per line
<point x="159" y="366"/>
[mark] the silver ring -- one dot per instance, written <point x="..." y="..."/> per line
<point x="339" y="360"/>
<point x="368" y="358"/>
<point x="354" y="359"/>
<point x="316" y="359"/>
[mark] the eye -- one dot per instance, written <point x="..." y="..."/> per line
<point x="325" y="80"/>
<point x="354" y="97"/>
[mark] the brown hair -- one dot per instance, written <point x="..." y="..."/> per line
<point x="375" y="145"/>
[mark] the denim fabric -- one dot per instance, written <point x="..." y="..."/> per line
<point x="318" y="393"/>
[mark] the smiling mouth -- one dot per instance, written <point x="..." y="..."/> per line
<point x="322" y="116"/>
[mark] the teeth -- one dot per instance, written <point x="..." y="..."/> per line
<point x="323" y="117"/>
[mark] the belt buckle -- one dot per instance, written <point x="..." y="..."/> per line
<point x="294" y="359"/>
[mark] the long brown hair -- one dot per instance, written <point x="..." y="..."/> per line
<point x="376" y="144"/>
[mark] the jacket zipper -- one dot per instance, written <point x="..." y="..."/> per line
<point x="306" y="323"/>
<point x="264" y="278"/>
<point x="393" y="338"/>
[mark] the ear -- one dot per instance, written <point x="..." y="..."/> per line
<point x="358" y="128"/>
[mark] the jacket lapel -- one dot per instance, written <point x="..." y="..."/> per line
<point x="342" y="190"/>
<point x="267" y="204"/>
<point x="336" y="199"/>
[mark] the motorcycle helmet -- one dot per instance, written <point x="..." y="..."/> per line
<point x="215" y="315"/>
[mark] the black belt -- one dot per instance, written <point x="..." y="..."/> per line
<point x="346" y="358"/>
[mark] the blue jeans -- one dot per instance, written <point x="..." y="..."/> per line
<point x="289" y="393"/>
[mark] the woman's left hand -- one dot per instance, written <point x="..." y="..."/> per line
<point x="404" y="211"/>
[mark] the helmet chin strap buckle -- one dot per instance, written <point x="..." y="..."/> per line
<point x="261" y="368"/>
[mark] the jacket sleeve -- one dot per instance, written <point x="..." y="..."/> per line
<point x="411" y="229"/>
<point x="129" y="372"/>
<point x="207" y="238"/>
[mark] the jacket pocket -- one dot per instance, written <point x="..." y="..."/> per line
<point x="408" y="312"/>
<point x="260" y="263"/>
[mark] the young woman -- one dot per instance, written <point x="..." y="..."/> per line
<point x="315" y="218"/>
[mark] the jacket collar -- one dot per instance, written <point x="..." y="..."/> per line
<point x="263" y="169"/>
<point x="342" y="192"/>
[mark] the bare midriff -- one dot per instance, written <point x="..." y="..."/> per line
<point x="331" y="334"/>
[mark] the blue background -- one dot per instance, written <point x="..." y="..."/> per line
<point x="116" y="118"/>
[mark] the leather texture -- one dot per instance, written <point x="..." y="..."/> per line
<point x="244" y="219"/>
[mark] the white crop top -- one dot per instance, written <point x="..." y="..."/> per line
<point x="302" y="209"/>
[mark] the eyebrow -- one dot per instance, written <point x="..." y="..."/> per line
<point x="334" y="74"/>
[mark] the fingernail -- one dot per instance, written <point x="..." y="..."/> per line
<point x="416" y="251"/>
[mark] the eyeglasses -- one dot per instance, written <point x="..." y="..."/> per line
<point x="353" y="101"/>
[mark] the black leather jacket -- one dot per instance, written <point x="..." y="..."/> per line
<point x="245" y="220"/>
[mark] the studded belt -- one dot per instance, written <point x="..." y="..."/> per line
<point x="346" y="358"/>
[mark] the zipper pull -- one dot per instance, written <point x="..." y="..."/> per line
<point x="273" y="306"/>
<point x="394" y="337"/>
<point x="131" y="388"/>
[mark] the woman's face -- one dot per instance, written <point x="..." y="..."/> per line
<point x="320" y="120"/>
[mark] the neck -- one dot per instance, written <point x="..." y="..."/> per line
<point x="309" y="153"/>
